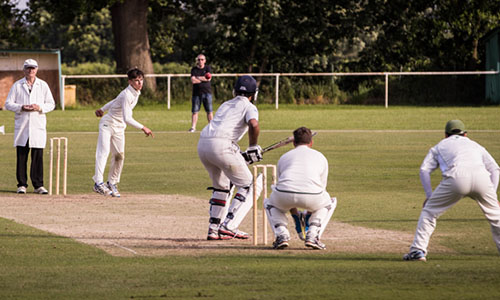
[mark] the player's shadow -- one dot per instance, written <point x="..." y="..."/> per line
<point x="8" y="191"/>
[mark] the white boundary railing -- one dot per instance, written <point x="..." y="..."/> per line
<point x="278" y="75"/>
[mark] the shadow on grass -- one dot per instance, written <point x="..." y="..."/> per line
<point x="8" y="191"/>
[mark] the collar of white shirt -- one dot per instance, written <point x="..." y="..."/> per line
<point x="134" y="91"/>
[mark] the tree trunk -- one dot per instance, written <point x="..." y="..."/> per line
<point x="130" y="31"/>
<point x="475" y="55"/>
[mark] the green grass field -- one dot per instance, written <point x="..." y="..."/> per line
<point x="374" y="155"/>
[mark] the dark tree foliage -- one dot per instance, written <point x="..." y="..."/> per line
<point x="13" y="31"/>
<point x="427" y="35"/>
<point x="129" y="27"/>
<point x="261" y="36"/>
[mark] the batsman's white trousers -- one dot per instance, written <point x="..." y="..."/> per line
<point x="279" y="203"/>
<point x="224" y="163"/>
<point x="110" y="139"/>
<point x="476" y="185"/>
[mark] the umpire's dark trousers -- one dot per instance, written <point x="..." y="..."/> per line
<point x="36" y="171"/>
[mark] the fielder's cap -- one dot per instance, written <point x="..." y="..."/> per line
<point x="30" y="63"/>
<point x="246" y="84"/>
<point x="455" y="127"/>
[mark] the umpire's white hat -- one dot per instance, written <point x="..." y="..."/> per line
<point x="30" y="63"/>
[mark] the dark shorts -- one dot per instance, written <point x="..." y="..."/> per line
<point x="196" y="101"/>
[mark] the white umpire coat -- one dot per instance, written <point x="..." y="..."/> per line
<point x="30" y="125"/>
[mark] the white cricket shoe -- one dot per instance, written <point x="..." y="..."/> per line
<point x="114" y="189"/>
<point x="237" y="234"/>
<point x="415" y="255"/>
<point x="281" y="242"/>
<point x="41" y="190"/>
<point x="213" y="235"/>
<point x="102" y="189"/>
<point x="313" y="242"/>
<point x="21" y="190"/>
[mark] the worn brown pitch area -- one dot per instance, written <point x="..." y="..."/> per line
<point x="156" y="225"/>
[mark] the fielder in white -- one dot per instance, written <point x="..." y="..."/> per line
<point x="112" y="134"/>
<point x="302" y="178"/>
<point x="467" y="170"/>
<point x="220" y="154"/>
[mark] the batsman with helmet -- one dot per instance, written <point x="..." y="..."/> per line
<point x="219" y="152"/>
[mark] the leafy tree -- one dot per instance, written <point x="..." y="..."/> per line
<point x="90" y="38"/>
<point x="461" y="26"/>
<point x="129" y="27"/>
<point x="263" y="35"/>
<point x="167" y="30"/>
<point x="12" y="29"/>
<point x="422" y="34"/>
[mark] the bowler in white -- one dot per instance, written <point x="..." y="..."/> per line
<point x="112" y="134"/>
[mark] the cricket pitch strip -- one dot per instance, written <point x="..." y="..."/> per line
<point x="158" y="225"/>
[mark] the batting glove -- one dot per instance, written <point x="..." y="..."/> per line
<point x="253" y="154"/>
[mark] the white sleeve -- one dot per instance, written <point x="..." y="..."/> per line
<point x="494" y="177"/>
<point x="108" y="105"/>
<point x="429" y="164"/>
<point x="127" y="115"/>
<point x="425" y="178"/>
<point x="492" y="167"/>
<point x="49" y="103"/>
<point x="252" y="113"/>
<point x="324" y="174"/>
<point x="10" y="102"/>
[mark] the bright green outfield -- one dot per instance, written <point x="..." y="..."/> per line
<point x="374" y="174"/>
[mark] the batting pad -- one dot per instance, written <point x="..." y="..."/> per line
<point x="218" y="205"/>
<point x="228" y="199"/>
<point x="322" y="216"/>
<point x="240" y="209"/>
<point x="277" y="219"/>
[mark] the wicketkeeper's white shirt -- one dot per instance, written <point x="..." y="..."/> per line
<point x="231" y="120"/>
<point x="120" y="109"/>
<point x="302" y="170"/>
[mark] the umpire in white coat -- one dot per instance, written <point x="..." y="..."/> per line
<point x="302" y="179"/>
<point x="30" y="98"/>
<point x="467" y="170"/>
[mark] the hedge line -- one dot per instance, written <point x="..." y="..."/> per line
<point x="404" y="90"/>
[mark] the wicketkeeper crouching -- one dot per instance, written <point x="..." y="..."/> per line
<point x="302" y="178"/>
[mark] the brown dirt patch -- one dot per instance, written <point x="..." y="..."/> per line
<point x="156" y="225"/>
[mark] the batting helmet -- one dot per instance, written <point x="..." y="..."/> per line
<point x="245" y="85"/>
